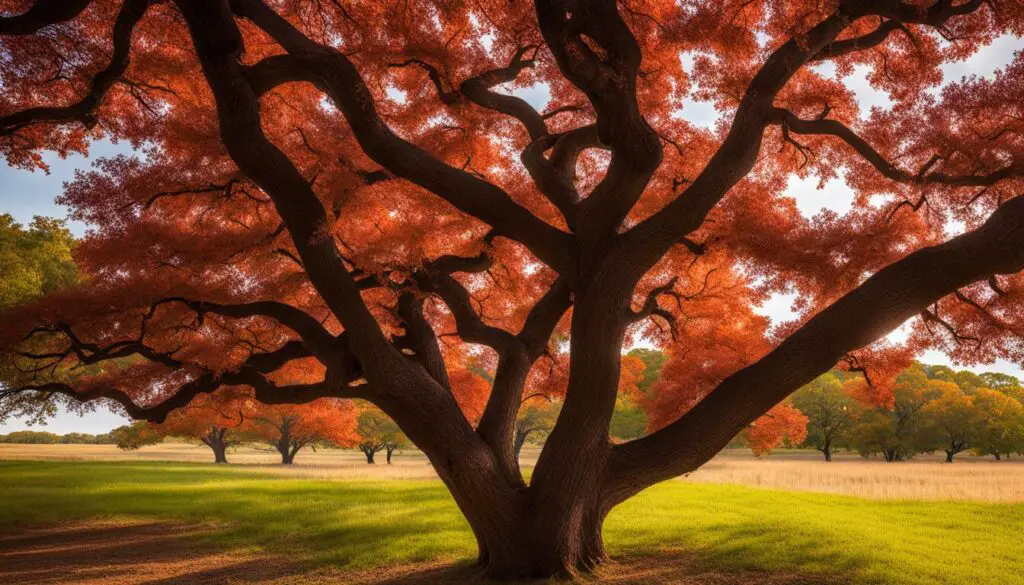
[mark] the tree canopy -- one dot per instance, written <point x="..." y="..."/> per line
<point x="348" y="200"/>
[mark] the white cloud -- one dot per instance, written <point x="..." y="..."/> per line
<point x="778" y="308"/>
<point x="835" y="195"/>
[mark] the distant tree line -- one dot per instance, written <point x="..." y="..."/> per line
<point x="929" y="409"/>
<point x="45" y="438"/>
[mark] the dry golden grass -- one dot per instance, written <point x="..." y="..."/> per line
<point x="925" y="478"/>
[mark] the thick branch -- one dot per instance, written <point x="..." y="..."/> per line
<point x="83" y="110"/>
<point x="331" y="71"/>
<point x="43" y="13"/>
<point x="867" y="313"/>
<point x="478" y="90"/>
<point x="825" y="127"/>
<point x="320" y="341"/>
<point x="646" y="243"/>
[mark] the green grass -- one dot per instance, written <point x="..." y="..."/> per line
<point x="360" y="524"/>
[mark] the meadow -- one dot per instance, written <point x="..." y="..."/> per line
<point x="333" y="518"/>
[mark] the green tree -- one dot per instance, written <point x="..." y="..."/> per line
<point x="629" y="421"/>
<point x="136" y="435"/>
<point x="1004" y="383"/>
<point x="969" y="382"/>
<point x="31" y="438"/>
<point x="654" y="360"/>
<point x="897" y="431"/>
<point x="35" y="260"/>
<point x="535" y="420"/>
<point x="950" y="421"/>
<point x="830" y="412"/>
<point x="377" y="432"/>
<point x="1001" y="427"/>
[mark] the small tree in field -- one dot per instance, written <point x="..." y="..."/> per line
<point x="135" y="436"/>
<point x="951" y="421"/>
<point x="782" y="424"/>
<point x="898" y="430"/>
<point x="376" y="432"/>
<point x="351" y="186"/>
<point x="217" y="421"/>
<point x="289" y="429"/>
<point x="1000" y="428"/>
<point x="831" y="412"/>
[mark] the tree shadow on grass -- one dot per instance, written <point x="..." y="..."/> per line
<point x="160" y="553"/>
<point x="354" y="526"/>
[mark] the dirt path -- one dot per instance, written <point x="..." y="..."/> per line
<point x="157" y="553"/>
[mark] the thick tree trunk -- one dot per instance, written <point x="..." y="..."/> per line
<point x="998" y="456"/>
<point x="390" y="450"/>
<point x="828" y="454"/>
<point x="527" y="546"/>
<point x="949" y="456"/>
<point x="369" y="456"/>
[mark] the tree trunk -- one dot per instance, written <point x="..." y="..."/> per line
<point x="390" y="450"/>
<point x="216" y="439"/>
<point x="949" y="456"/>
<point x="219" y="452"/>
<point x="826" y="449"/>
<point x="287" y="457"/>
<point x="518" y="442"/>
<point x="369" y="456"/>
<point x="528" y="546"/>
<point x="998" y="456"/>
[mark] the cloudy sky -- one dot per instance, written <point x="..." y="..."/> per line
<point x="24" y="195"/>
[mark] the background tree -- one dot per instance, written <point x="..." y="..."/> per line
<point x="897" y="430"/>
<point x="135" y="436"/>
<point x="377" y="432"/>
<point x="535" y="420"/>
<point x="34" y="260"/>
<point x="31" y="438"/>
<point x="1000" y="431"/>
<point x="782" y="424"/>
<point x="951" y="421"/>
<point x="290" y="428"/>
<point x="831" y="412"/>
<point x="427" y="216"/>
<point x="218" y="421"/>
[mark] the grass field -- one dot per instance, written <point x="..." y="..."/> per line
<point x="925" y="478"/>
<point x="354" y="525"/>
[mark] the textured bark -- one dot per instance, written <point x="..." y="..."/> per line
<point x="216" y="439"/>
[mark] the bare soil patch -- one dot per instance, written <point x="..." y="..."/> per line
<point x="160" y="553"/>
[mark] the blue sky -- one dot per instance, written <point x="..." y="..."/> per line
<point x="25" y="194"/>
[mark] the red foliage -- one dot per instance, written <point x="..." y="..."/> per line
<point x="181" y="221"/>
<point x="780" y="423"/>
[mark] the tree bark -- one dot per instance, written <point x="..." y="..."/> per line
<point x="526" y="546"/>
<point x="220" y="454"/>
<point x="369" y="456"/>
<point x="949" y="456"/>
<point x="287" y="457"/>
<point x="216" y="439"/>
<point x="390" y="450"/>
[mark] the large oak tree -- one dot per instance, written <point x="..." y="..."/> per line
<point x="348" y="189"/>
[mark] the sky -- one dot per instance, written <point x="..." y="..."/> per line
<point x="25" y="194"/>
